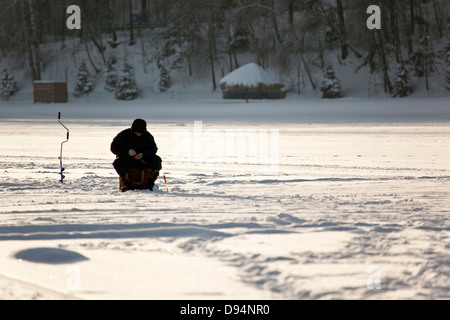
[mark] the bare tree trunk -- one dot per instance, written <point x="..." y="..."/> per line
<point x="97" y="71"/>
<point x="34" y="40"/>
<point x="384" y="65"/>
<point x="189" y="65"/>
<point x="112" y="22"/>
<point x="231" y="50"/>
<point x="255" y="43"/>
<point x="130" y="8"/>
<point x="63" y="25"/>
<point x="144" y="11"/>
<point x="423" y="28"/>
<point x="291" y="13"/>
<point x="211" y="50"/>
<point x="438" y="16"/>
<point x="144" y="57"/>
<point x="412" y="15"/>
<point x="98" y="43"/>
<point x="344" y="45"/>
<point x="293" y="35"/>
<point x="338" y="31"/>
<point x="236" y="62"/>
<point x="275" y="23"/>
<point x="29" y="49"/>
<point x="302" y="57"/>
<point x="395" y="30"/>
<point x="213" y="39"/>
<point x="321" y="53"/>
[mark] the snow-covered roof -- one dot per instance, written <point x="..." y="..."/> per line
<point x="250" y="75"/>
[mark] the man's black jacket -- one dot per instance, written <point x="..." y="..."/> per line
<point x="127" y="140"/>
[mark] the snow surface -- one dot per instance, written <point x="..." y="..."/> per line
<point x="249" y="75"/>
<point x="357" y="191"/>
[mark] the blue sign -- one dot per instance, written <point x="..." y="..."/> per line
<point x="135" y="18"/>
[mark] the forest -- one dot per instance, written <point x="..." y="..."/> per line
<point x="293" y="36"/>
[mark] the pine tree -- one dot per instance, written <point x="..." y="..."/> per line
<point x="331" y="86"/>
<point x="401" y="87"/>
<point x="111" y="76"/>
<point x="84" y="82"/>
<point x="8" y="86"/>
<point x="165" y="81"/>
<point x="126" y="85"/>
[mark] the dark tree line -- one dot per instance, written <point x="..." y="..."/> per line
<point x="292" y="35"/>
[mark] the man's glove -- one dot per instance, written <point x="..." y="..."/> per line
<point x="137" y="156"/>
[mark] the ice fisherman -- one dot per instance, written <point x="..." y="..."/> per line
<point x="135" y="148"/>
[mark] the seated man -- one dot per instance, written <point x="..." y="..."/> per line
<point x="135" y="148"/>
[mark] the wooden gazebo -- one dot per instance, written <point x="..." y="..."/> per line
<point x="251" y="82"/>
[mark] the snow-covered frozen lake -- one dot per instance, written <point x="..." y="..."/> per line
<point x="343" y="199"/>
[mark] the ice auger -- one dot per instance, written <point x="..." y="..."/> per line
<point x="60" y="154"/>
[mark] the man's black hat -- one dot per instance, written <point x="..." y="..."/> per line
<point x="139" y="126"/>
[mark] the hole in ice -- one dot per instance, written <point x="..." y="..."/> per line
<point x="50" y="256"/>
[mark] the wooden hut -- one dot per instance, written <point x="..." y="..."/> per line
<point x="251" y="82"/>
<point x="50" y="91"/>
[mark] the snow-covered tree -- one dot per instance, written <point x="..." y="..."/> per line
<point x="126" y="84"/>
<point x="165" y="81"/>
<point x="401" y="87"/>
<point x="111" y="76"/>
<point x="84" y="82"/>
<point x="331" y="86"/>
<point x="8" y="86"/>
<point x="182" y="53"/>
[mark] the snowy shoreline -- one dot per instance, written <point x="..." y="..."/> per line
<point x="339" y="111"/>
